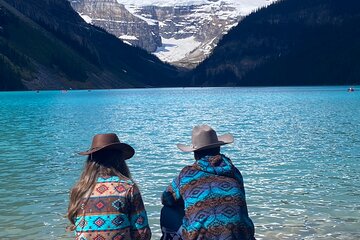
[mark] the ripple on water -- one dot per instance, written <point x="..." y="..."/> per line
<point x="297" y="148"/>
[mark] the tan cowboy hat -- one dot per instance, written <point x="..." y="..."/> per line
<point x="204" y="137"/>
<point x="109" y="141"/>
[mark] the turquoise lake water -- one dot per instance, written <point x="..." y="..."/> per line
<point x="298" y="149"/>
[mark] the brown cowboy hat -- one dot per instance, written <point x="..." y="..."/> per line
<point x="109" y="141"/>
<point x="204" y="137"/>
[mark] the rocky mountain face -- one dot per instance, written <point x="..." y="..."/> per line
<point x="189" y="33"/>
<point x="291" y="42"/>
<point x="179" y="32"/>
<point x="117" y="20"/>
<point x="45" y="44"/>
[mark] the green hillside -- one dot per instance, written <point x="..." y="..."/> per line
<point x="44" y="44"/>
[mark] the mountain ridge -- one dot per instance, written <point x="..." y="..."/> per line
<point x="178" y="32"/>
<point x="76" y="54"/>
<point x="290" y="42"/>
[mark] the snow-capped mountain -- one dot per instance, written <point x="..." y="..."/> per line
<point x="243" y="7"/>
<point x="181" y="32"/>
<point x="116" y="19"/>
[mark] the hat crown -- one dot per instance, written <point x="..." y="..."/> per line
<point x="109" y="141"/>
<point x="101" y="140"/>
<point x="203" y="136"/>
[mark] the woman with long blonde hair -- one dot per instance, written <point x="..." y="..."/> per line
<point x="105" y="203"/>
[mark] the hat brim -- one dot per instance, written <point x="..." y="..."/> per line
<point x="127" y="150"/>
<point x="222" y="140"/>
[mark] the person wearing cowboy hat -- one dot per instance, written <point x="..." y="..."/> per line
<point x="105" y="203"/>
<point x="211" y="192"/>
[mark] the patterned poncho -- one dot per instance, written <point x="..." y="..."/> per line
<point x="213" y="194"/>
<point x="115" y="210"/>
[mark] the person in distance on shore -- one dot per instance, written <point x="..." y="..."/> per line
<point x="105" y="203"/>
<point x="211" y="192"/>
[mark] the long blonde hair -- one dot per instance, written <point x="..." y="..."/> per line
<point x="101" y="163"/>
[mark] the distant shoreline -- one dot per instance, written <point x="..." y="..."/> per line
<point x="195" y="87"/>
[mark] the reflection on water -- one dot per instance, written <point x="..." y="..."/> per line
<point x="298" y="150"/>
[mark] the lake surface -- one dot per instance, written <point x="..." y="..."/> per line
<point x="298" y="149"/>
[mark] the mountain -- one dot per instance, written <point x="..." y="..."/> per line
<point x="117" y="20"/>
<point x="45" y="44"/>
<point x="180" y="32"/>
<point x="291" y="42"/>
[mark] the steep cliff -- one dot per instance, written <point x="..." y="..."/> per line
<point x="292" y="42"/>
<point x="183" y="32"/>
<point x="116" y="19"/>
<point x="45" y="44"/>
<point x="190" y="32"/>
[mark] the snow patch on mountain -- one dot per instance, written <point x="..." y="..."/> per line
<point x="243" y="7"/>
<point x="163" y="3"/>
<point x="175" y="49"/>
<point x="180" y="34"/>
<point x="86" y="18"/>
<point x="128" y="37"/>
